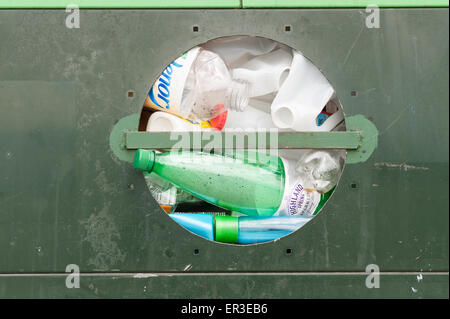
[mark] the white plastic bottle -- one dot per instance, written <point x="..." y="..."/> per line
<point x="251" y="118"/>
<point x="166" y="122"/>
<point x="198" y="86"/>
<point x="265" y="73"/>
<point x="302" y="97"/>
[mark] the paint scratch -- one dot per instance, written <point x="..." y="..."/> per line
<point x="352" y="46"/>
<point x="394" y="121"/>
<point x="402" y="166"/>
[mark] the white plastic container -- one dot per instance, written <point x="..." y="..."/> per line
<point x="236" y="51"/>
<point x="166" y="122"/>
<point x="302" y="97"/>
<point x="265" y="73"/>
<point x="251" y="118"/>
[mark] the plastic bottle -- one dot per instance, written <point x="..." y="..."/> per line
<point x="162" y="191"/>
<point x="224" y="181"/>
<point x="320" y="169"/>
<point x="265" y="73"/>
<point x="225" y="229"/>
<point x="240" y="180"/>
<point x="302" y="97"/>
<point x="237" y="50"/>
<point x="166" y="122"/>
<point x="251" y="118"/>
<point x="200" y="224"/>
<point x="246" y="238"/>
<point x="243" y="230"/>
<point x="259" y="223"/>
<point x="198" y="87"/>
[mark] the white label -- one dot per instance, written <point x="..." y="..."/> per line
<point x="301" y="202"/>
<point x="296" y="200"/>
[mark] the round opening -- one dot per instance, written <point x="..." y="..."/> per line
<point x="230" y="193"/>
<point x="283" y="117"/>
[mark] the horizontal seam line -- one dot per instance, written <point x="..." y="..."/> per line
<point x="155" y="274"/>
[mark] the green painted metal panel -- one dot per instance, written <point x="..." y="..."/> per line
<point x="190" y="285"/>
<point x="116" y="4"/>
<point x="66" y="199"/>
<point x="342" y="3"/>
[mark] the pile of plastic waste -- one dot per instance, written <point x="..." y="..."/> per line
<point x="242" y="196"/>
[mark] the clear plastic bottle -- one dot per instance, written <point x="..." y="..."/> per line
<point x="320" y="169"/>
<point x="210" y="90"/>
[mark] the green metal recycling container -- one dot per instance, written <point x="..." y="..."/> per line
<point x="73" y="80"/>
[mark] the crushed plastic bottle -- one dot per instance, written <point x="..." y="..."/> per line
<point x="320" y="169"/>
<point x="199" y="87"/>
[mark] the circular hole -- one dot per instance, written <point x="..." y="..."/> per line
<point x="283" y="117"/>
<point x="288" y="251"/>
<point x="196" y="251"/>
<point x="195" y="28"/>
<point x="212" y="191"/>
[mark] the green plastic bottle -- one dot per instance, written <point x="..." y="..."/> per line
<point x="237" y="183"/>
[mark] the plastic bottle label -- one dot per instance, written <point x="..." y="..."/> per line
<point x="167" y="92"/>
<point x="301" y="202"/>
<point x="297" y="201"/>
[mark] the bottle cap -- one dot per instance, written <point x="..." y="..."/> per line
<point x="219" y="121"/>
<point x="144" y="160"/>
<point x="166" y="208"/>
<point x="227" y="229"/>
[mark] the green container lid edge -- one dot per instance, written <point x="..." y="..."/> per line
<point x="215" y="4"/>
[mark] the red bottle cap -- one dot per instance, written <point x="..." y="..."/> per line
<point x="219" y="121"/>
